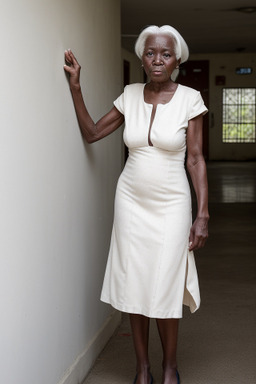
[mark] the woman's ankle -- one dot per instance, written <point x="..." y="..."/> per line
<point x="143" y="368"/>
<point x="169" y="366"/>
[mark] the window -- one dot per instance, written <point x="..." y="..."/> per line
<point x="239" y="122"/>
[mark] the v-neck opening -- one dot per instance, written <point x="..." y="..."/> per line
<point x="154" y="108"/>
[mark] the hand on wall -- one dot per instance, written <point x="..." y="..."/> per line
<point x="73" y="68"/>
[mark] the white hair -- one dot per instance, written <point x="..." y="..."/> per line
<point x="180" y="46"/>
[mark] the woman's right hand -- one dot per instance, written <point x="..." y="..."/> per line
<point x="73" y="68"/>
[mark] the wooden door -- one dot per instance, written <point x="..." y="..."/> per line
<point x="195" y="74"/>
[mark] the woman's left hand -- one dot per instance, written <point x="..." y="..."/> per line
<point x="73" y="68"/>
<point x="198" y="233"/>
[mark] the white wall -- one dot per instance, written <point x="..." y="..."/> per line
<point x="56" y="194"/>
<point x="225" y="65"/>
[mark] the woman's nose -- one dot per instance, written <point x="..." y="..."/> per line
<point x="158" y="60"/>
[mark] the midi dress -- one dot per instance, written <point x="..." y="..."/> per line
<point x="150" y="270"/>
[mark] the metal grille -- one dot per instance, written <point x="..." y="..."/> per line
<point x="239" y="115"/>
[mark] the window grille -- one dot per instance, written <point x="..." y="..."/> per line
<point x="239" y="115"/>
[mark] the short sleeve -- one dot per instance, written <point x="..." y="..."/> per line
<point x="119" y="103"/>
<point x="197" y="107"/>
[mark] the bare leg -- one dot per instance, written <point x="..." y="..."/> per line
<point x="168" y="331"/>
<point x="140" y="332"/>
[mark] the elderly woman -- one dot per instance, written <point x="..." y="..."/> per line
<point x="151" y="270"/>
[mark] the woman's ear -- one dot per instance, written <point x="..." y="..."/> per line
<point x="178" y="64"/>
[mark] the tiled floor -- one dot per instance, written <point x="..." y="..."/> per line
<point x="232" y="182"/>
<point x="217" y="344"/>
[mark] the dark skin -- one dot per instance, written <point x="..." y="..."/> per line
<point x="91" y="131"/>
<point x="159" y="61"/>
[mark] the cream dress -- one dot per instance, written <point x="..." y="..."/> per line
<point x="150" y="270"/>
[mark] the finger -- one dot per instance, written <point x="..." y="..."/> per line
<point x="199" y="242"/>
<point x="193" y="246"/>
<point x="67" y="53"/>
<point x="202" y="243"/>
<point x="67" y="68"/>
<point x="190" y="246"/>
<point x="68" y="57"/>
<point x="196" y="243"/>
<point x="191" y="240"/>
<point x="68" y="63"/>
<point x="71" y="54"/>
<point x="73" y="58"/>
<point x="191" y="235"/>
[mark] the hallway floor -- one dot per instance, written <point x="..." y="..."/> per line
<point x="217" y="344"/>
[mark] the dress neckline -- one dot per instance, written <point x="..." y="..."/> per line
<point x="143" y="96"/>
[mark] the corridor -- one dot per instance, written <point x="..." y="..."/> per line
<point x="217" y="344"/>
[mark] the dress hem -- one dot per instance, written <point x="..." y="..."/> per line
<point x="175" y="314"/>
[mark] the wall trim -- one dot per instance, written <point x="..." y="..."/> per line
<point x="77" y="372"/>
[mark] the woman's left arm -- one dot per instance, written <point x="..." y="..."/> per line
<point x="197" y="169"/>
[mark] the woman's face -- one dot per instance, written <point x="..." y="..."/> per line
<point x="159" y="59"/>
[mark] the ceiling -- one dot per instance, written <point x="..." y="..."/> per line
<point x="208" y="26"/>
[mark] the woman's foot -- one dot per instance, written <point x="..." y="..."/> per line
<point x="143" y="378"/>
<point x="171" y="376"/>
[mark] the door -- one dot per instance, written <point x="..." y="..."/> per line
<point x="195" y="74"/>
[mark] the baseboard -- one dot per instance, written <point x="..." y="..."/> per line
<point x="84" y="362"/>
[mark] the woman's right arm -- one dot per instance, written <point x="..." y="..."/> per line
<point x="90" y="131"/>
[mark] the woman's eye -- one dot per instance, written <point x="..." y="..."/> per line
<point x="167" y="55"/>
<point x="150" y="54"/>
